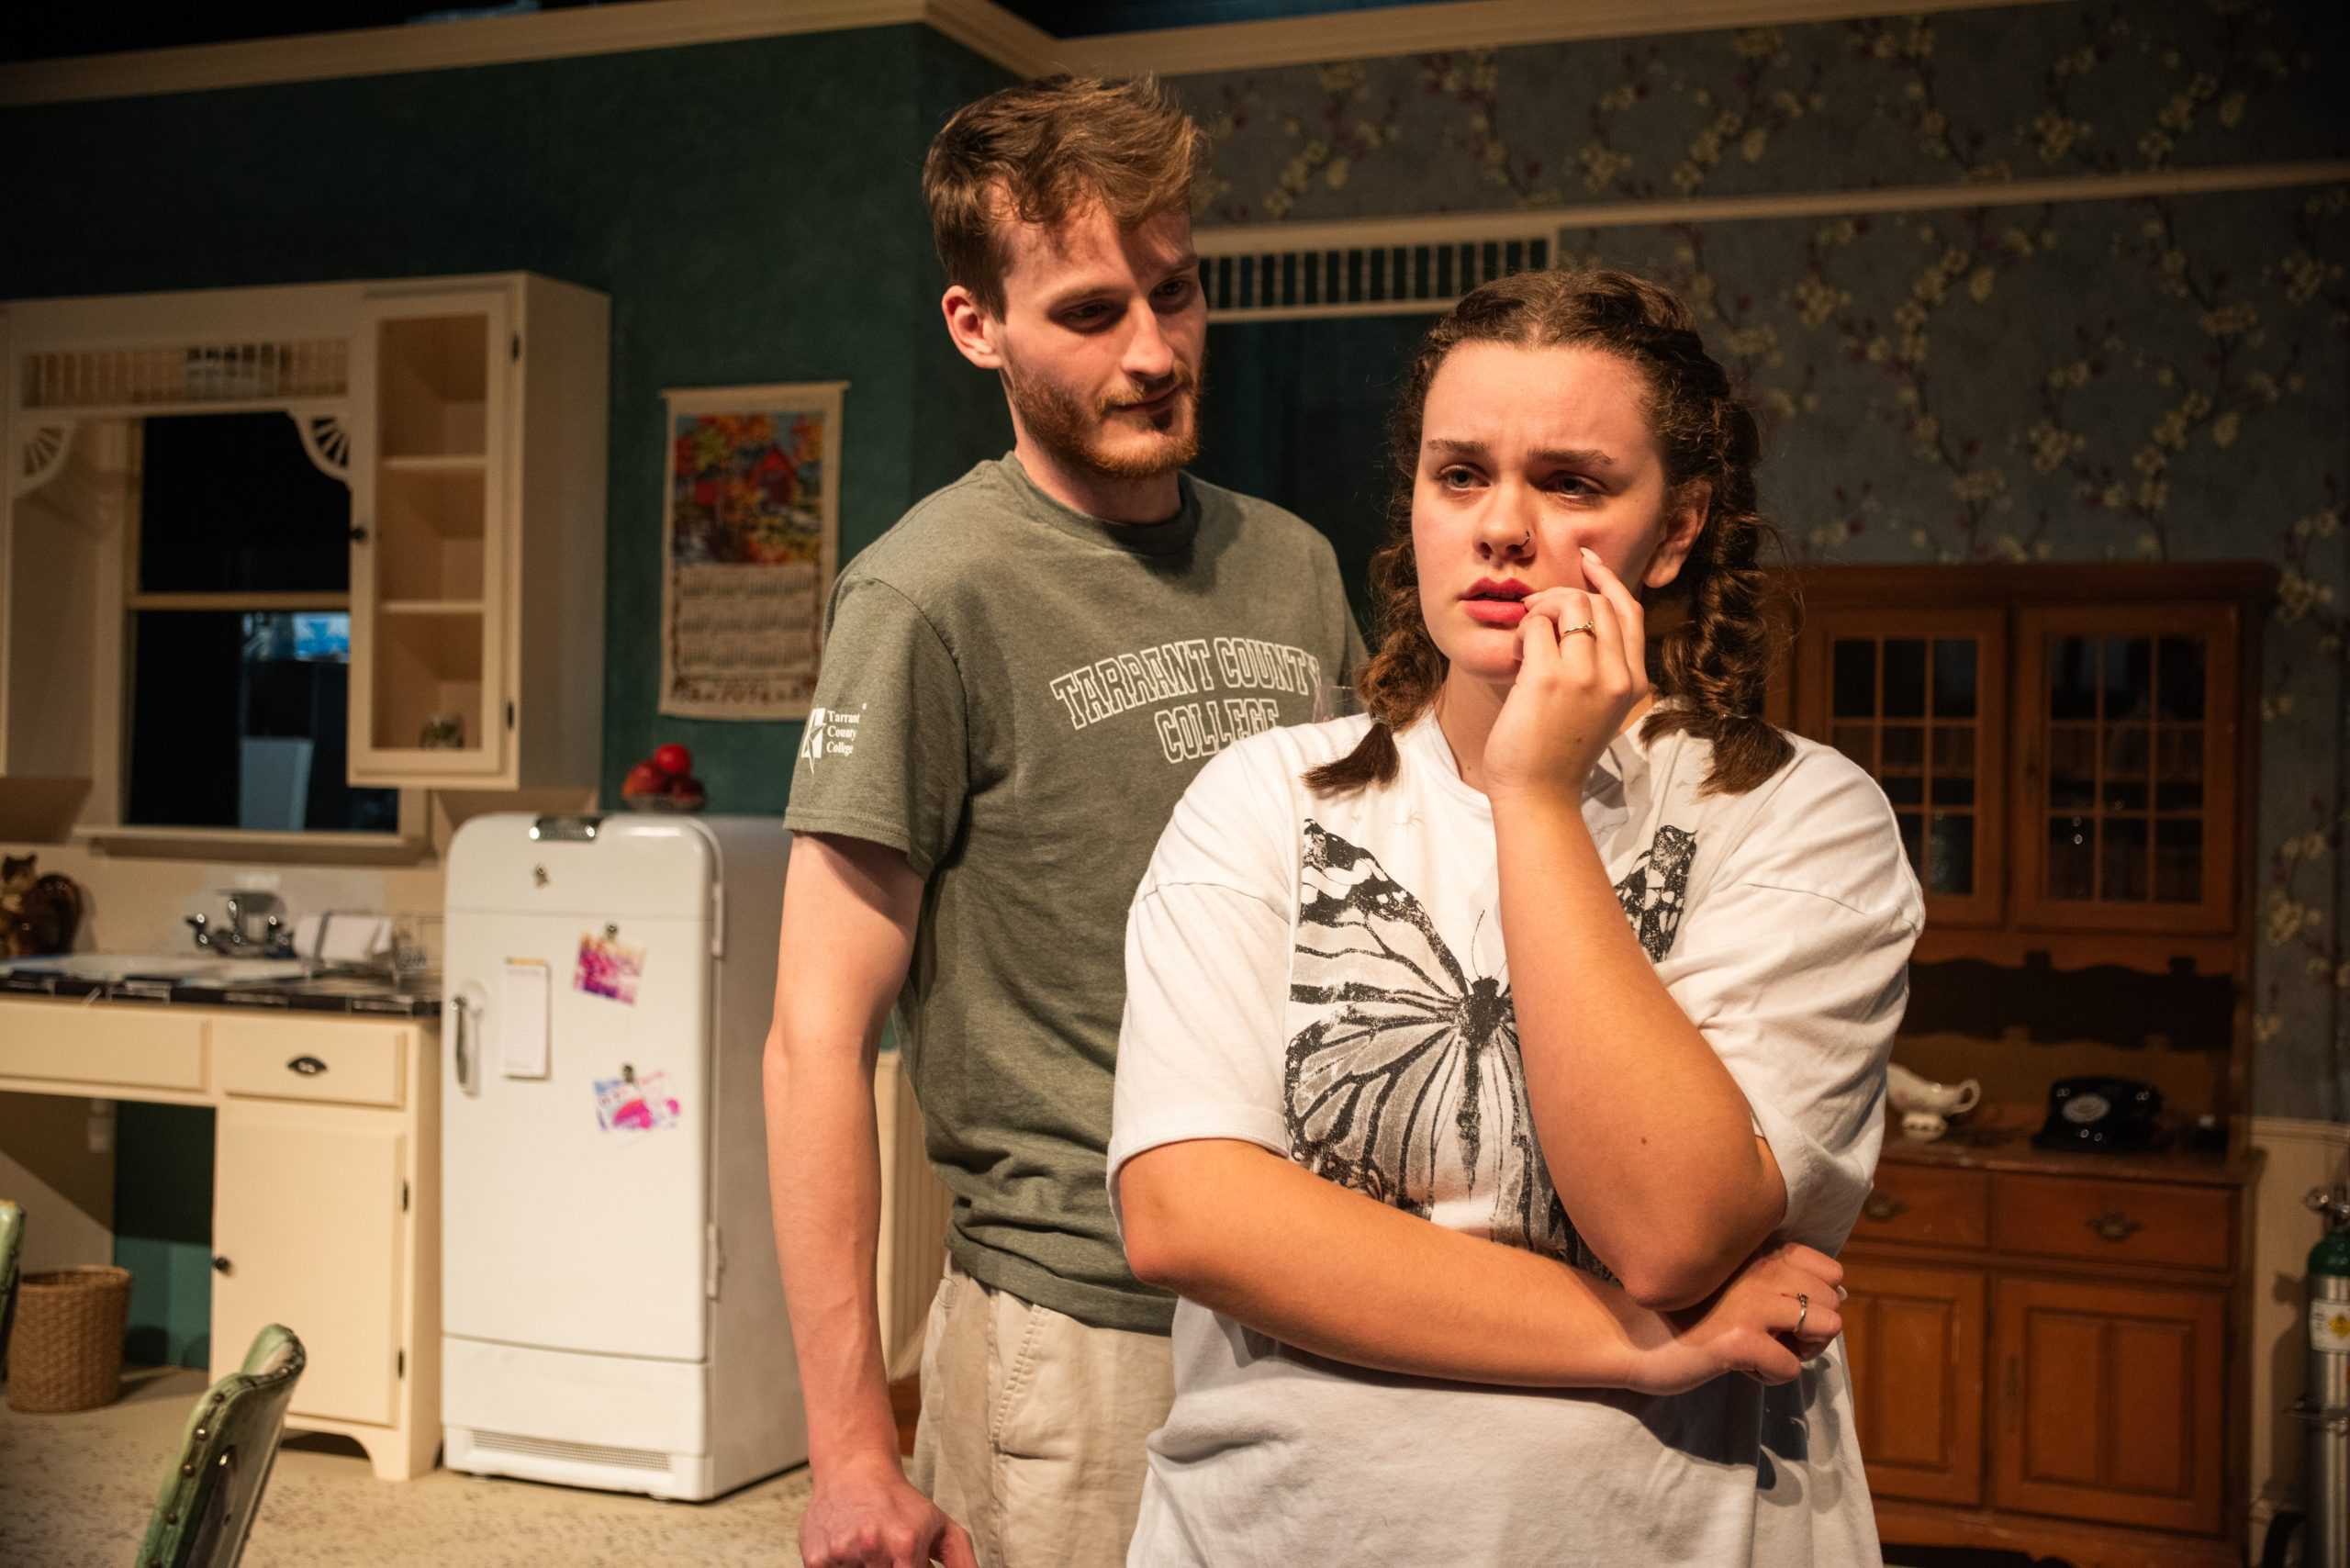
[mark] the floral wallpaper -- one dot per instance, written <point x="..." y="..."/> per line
<point x="2145" y="378"/>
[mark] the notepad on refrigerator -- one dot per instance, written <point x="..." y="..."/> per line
<point x="523" y="1032"/>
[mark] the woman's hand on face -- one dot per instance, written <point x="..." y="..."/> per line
<point x="1749" y="1325"/>
<point x="1574" y="688"/>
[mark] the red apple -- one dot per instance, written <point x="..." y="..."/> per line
<point x="686" y="792"/>
<point x="673" y="759"/>
<point x="645" y="779"/>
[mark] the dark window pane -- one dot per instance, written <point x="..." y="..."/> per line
<point x="1951" y="867"/>
<point x="2129" y="678"/>
<point x="1855" y="678"/>
<point x="1953" y="790"/>
<point x="238" y="721"/>
<point x="2072" y="766"/>
<point x="1954" y="678"/>
<point x="2125" y="795"/>
<point x="2072" y="677"/>
<point x="2071" y="858"/>
<point x="2178" y="861"/>
<point x="2178" y="768"/>
<point x="1905" y="678"/>
<point x="1913" y="833"/>
<point x="1905" y="746"/>
<point x="229" y="503"/>
<point x="1953" y="749"/>
<point x="1857" y="741"/>
<point x="2178" y="677"/>
<point x="1905" y="789"/>
<point x="2122" y="860"/>
<point x="2126" y="751"/>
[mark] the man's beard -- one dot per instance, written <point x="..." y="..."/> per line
<point x="1058" y="422"/>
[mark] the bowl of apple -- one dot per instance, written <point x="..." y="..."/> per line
<point x="664" y="782"/>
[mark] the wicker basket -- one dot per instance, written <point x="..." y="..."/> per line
<point x="65" y="1352"/>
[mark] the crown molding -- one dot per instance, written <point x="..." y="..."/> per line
<point x="993" y="33"/>
<point x="1462" y="24"/>
<point x="977" y="25"/>
<point x="981" y="26"/>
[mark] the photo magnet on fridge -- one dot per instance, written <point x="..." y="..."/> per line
<point x="608" y="966"/>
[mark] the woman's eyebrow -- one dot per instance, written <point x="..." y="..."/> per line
<point x="1555" y="456"/>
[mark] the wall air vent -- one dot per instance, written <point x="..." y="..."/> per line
<point x="1247" y="279"/>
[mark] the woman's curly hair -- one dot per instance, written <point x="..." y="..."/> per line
<point x="1715" y="661"/>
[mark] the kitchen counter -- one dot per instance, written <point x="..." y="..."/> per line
<point x="325" y="991"/>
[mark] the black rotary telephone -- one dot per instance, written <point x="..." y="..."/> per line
<point x="2105" y="1116"/>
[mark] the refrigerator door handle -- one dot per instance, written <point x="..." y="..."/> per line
<point x="466" y="1053"/>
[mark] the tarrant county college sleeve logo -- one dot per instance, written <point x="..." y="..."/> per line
<point x="830" y="732"/>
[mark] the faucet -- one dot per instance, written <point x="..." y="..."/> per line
<point x="273" y="939"/>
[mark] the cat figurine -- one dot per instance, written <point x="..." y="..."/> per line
<point x="37" y="914"/>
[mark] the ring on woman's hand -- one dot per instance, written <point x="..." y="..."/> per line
<point x="1803" y="1310"/>
<point x="1571" y="631"/>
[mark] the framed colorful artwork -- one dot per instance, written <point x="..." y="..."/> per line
<point x="750" y="539"/>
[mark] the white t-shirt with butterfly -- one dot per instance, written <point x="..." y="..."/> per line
<point x="1325" y="977"/>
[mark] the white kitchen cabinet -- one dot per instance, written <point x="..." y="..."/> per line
<point x="306" y="1221"/>
<point x="476" y="557"/>
<point x="468" y="416"/>
<point x="326" y="1209"/>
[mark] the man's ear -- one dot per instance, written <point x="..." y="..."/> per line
<point x="1685" y="521"/>
<point x="973" y="328"/>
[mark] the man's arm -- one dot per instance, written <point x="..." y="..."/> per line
<point x="849" y="908"/>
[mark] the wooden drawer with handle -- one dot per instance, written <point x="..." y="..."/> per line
<point x="2115" y="1222"/>
<point x="138" y="1048"/>
<point x="290" y="1059"/>
<point x="1923" y="1207"/>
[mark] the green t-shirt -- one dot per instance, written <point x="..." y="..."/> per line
<point x="1015" y="695"/>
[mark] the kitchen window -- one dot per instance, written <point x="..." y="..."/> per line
<point x="237" y="626"/>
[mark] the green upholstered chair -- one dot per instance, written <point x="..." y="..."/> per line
<point x="12" y="1245"/>
<point x="214" y="1490"/>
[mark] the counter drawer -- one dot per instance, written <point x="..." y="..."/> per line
<point x="138" y="1048"/>
<point x="2116" y="1221"/>
<point x="1927" y="1207"/>
<point x="285" y="1058"/>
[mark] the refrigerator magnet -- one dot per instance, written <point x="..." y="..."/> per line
<point x="629" y="1103"/>
<point x="608" y="965"/>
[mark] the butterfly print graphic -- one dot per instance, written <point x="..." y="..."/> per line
<point x="1404" y="1082"/>
<point x="1653" y="891"/>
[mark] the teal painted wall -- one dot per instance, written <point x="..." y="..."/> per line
<point x="162" y="1218"/>
<point x="751" y="209"/>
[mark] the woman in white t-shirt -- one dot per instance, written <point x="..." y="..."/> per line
<point x="1600" y="982"/>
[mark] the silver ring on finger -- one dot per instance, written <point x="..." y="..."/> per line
<point x="1803" y="1310"/>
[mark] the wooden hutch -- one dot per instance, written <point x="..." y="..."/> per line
<point x="2045" y="1347"/>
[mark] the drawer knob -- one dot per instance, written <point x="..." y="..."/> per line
<point x="2114" y="1225"/>
<point x="221" y="1265"/>
<point x="1883" y="1205"/>
<point x="309" y="1067"/>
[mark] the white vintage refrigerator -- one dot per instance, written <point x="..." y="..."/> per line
<point x="611" y="1312"/>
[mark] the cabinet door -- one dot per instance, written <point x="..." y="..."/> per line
<point x="1913" y="1339"/>
<point x="2109" y="1402"/>
<point x="2125" y="805"/>
<point x="430" y="382"/>
<point x="305" y="1232"/>
<point x="1917" y="698"/>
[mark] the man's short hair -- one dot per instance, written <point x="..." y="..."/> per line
<point x="1044" y="150"/>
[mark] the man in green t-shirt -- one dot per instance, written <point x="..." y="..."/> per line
<point x="1020" y="678"/>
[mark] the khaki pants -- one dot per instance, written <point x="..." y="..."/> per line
<point x="1033" y="1426"/>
